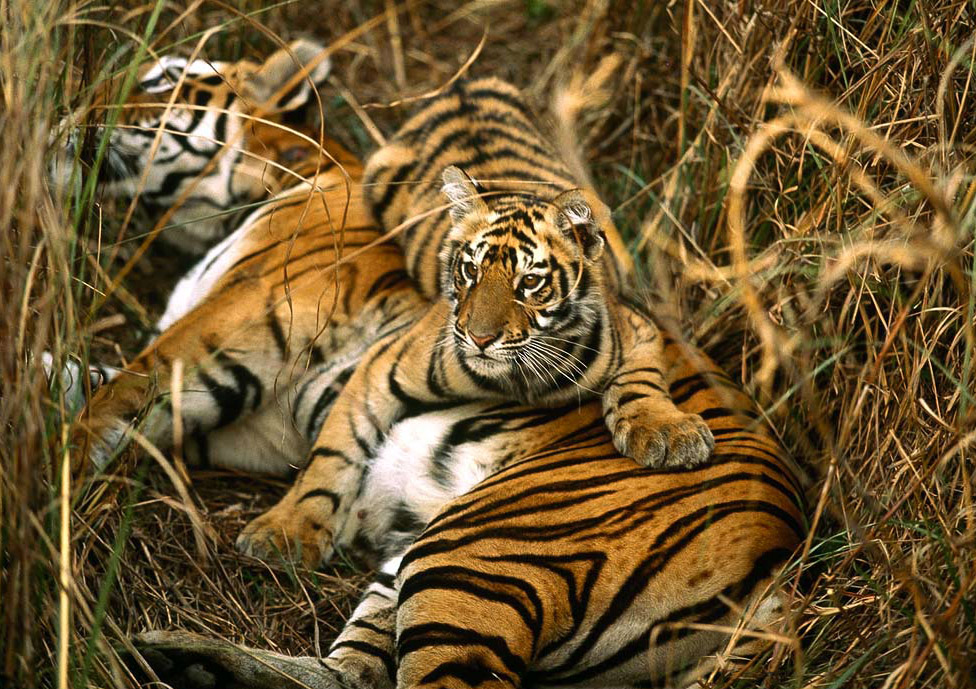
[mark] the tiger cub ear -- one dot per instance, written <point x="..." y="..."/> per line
<point x="463" y="193"/>
<point x="581" y="216"/>
<point x="266" y="86"/>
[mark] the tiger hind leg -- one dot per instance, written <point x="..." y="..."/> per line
<point x="451" y="635"/>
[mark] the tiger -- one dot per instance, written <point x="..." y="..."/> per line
<point x="194" y="173"/>
<point x="525" y="313"/>
<point x="516" y="544"/>
<point x="273" y="319"/>
<point x="528" y="304"/>
<point x="544" y="557"/>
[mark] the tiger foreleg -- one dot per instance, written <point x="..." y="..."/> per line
<point x="226" y="372"/>
<point x="637" y="406"/>
<point x="386" y="385"/>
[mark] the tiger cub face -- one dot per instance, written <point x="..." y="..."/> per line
<point x="523" y="277"/>
<point x="183" y="137"/>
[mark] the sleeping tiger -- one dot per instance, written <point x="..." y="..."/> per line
<point x="193" y="172"/>
<point x="270" y="323"/>
<point x="547" y="557"/>
<point x="526" y="314"/>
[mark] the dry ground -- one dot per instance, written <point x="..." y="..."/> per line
<point x="797" y="179"/>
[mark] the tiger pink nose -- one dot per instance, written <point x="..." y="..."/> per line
<point x="483" y="340"/>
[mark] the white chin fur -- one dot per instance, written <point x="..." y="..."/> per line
<point x="486" y="365"/>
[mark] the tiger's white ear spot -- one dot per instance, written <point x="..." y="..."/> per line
<point x="575" y="216"/>
<point x="462" y="192"/>
<point x="578" y="213"/>
<point x="272" y="78"/>
<point x="308" y="53"/>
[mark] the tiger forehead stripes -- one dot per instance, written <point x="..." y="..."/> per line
<point x="520" y="287"/>
<point x="186" y="135"/>
<point x="483" y="128"/>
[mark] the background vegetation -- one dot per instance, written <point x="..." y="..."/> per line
<point x="797" y="179"/>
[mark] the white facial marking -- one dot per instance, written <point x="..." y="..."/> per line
<point x="163" y="75"/>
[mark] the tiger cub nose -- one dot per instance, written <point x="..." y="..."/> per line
<point x="483" y="340"/>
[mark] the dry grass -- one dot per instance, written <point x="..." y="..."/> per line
<point x="797" y="178"/>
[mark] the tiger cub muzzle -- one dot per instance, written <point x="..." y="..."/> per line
<point x="489" y="319"/>
<point x="513" y="265"/>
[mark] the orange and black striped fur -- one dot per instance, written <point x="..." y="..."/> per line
<point x="529" y="306"/>
<point x="566" y="565"/>
<point x="525" y="280"/>
<point x="519" y="545"/>
<point x="531" y="309"/>
<point x="188" y="139"/>
<point x="269" y="323"/>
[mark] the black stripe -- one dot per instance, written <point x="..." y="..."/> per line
<point x="430" y="634"/>
<point x="363" y="624"/>
<point x="473" y="673"/>
<point x="387" y="280"/>
<point x="277" y="332"/>
<point x="481" y="585"/>
<point x="692" y="524"/>
<point x="323" y="452"/>
<point x="720" y="412"/>
<point x="315" y="493"/>
<point x="370" y="650"/>
<point x="230" y="400"/>
<point x="378" y="206"/>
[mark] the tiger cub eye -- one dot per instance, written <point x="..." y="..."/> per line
<point x="531" y="281"/>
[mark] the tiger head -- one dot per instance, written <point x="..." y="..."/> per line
<point x="190" y="134"/>
<point x="524" y="279"/>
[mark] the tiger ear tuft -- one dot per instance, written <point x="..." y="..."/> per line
<point x="463" y="193"/>
<point x="582" y="216"/>
<point x="268" y="85"/>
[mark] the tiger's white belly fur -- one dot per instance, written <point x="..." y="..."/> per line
<point x="197" y="284"/>
<point x="413" y="474"/>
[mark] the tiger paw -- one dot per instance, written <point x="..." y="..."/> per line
<point x="660" y="441"/>
<point x="285" y="533"/>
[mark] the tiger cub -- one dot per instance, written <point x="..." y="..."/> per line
<point x="529" y="305"/>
